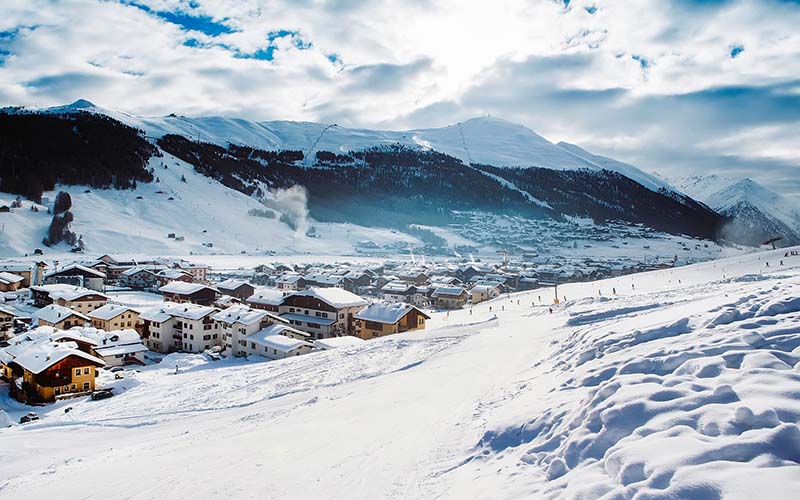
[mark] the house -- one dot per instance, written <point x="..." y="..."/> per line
<point x="274" y="342"/>
<point x="416" y="277"/>
<point x="78" y="299"/>
<point x="77" y="274"/>
<point x="338" y="342"/>
<point x="168" y="275"/>
<point x="142" y="277"/>
<point x="184" y="327"/>
<point x="32" y="274"/>
<point x="236" y="288"/>
<point x="266" y="298"/>
<point x="238" y="322"/>
<point x="60" y="317"/>
<point x="118" y="348"/>
<point x="355" y="281"/>
<point x="53" y="370"/>
<point x="383" y="318"/>
<point x="322" y="312"/>
<point x="6" y="322"/>
<point x="479" y="293"/>
<point x="115" y="266"/>
<point x="449" y="297"/>
<point x="112" y="317"/>
<point x="198" y="272"/>
<point x="323" y="280"/>
<point x="290" y="282"/>
<point x="10" y="282"/>
<point x="18" y="344"/>
<point x="195" y="293"/>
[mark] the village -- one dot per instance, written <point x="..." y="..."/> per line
<point x="64" y="324"/>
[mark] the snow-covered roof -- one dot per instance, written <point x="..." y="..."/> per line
<point x="483" y="288"/>
<point x="169" y="310"/>
<point x="244" y="315"/>
<point x="172" y="273"/>
<point x="336" y="342"/>
<point x="71" y="293"/>
<point x="289" y="279"/>
<point x="336" y="297"/>
<point x="38" y="357"/>
<point x="114" y="350"/>
<point x="8" y="278"/>
<point x="397" y="287"/>
<point x="273" y="338"/>
<point x="448" y="290"/>
<point x="183" y="288"/>
<point x="55" y="313"/>
<point x="385" y="312"/>
<point x="76" y="267"/>
<point x="308" y="319"/>
<point x="109" y="311"/>
<point x="151" y="268"/>
<point x="232" y="284"/>
<point x="7" y="310"/>
<point x="267" y="296"/>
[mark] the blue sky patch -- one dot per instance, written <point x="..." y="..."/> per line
<point x="186" y="21"/>
<point x="736" y="50"/>
<point x="643" y="61"/>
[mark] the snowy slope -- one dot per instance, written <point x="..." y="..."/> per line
<point x="484" y="140"/>
<point x="745" y="197"/>
<point x="661" y="390"/>
<point x="201" y="210"/>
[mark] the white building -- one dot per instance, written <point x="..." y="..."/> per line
<point x="238" y="322"/>
<point x="274" y="342"/>
<point x="184" y="327"/>
<point x="322" y="312"/>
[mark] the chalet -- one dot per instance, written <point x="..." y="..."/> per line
<point x="19" y="343"/>
<point x="397" y="291"/>
<point x="41" y="294"/>
<point x="323" y="280"/>
<point x="266" y="298"/>
<point x="195" y="293"/>
<point x="236" y="288"/>
<point x="449" y="297"/>
<point x="169" y="275"/>
<point x="32" y="274"/>
<point x="112" y="317"/>
<point x="239" y="322"/>
<point x="290" y="282"/>
<point x="382" y="318"/>
<point x="10" y="282"/>
<point x="479" y="293"/>
<point x="6" y="322"/>
<point x="118" y="348"/>
<point x="274" y="342"/>
<point x="355" y="281"/>
<point x="79" y="299"/>
<point x="464" y="273"/>
<point x="185" y="327"/>
<point x="54" y="370"/>
<point x="115" y="266"/>
<point x="416" y="277"/>
<point x="76" y="274"/>
<point x="60" y="317"/>
<point x="142" y="277"/>
<point x="199" y="272"/>
<point x="322" y="312"/>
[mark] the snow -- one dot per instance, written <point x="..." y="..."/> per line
<point x="108" y="311"/>
<point x="684" y="383"/>
<point x="55" y="313"/>
<point x="183" y="287"/>
<point x="336" y="297"/>
<point x="339" y="342"/>
<point x="276" y="341"/>
<point x="267" y="296"/>
<point x="241" y="314"/>
<point x="39" y="356"/>
<point x="75" y="267"/>
<point x="381" y="312"/>
<point x="167" y="310"/>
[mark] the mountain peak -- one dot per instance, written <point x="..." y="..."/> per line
<point x="81" y="104"/>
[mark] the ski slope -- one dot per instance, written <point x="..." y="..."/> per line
<point x="682" y="384"/>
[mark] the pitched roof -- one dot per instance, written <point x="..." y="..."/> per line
<point x="336" y="297"/>
<point x="8" y="278"/>
<point x="109" y="311"/>
<point x="76" y="267"/>
<point x="273" y="338"/>
<point x="38" y="357"/>
<point x="448" y="290"/>
<point x="232" y="284"/>
<point x="169" y="310"/>
<point x="183" y="288"/>
<point x="385" y="312"/>
<point x="55" y="313"/>
<point x="244" y="315"/>
<point x="267" y="295"/>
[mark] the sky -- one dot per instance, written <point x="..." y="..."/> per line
<point x="676" y="87"/>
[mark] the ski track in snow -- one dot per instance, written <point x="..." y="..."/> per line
<point x="685" y="383"/>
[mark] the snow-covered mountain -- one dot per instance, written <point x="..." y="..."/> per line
<point x="483" y="140"/>
<point x="755" y="209"/>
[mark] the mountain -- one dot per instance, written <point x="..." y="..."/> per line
<point x="757" y="213"/>
<point x="378" y="179"/>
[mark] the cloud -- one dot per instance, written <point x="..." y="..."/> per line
<point x="678" y="86"/>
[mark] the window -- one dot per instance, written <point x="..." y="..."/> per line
<point x="77" y="372"/>
<point x="86" y="371"/>
<point x="291" y="309"/>
<point x="252" y="345"/>
<point x="191" y="337"/>
<point x="86" y="386"/>
<point x="206" y="337"/>
<point x="73" y="387"/>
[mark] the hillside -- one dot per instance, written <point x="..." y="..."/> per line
<point x="660" y="390"/>
<point x="757" y="212"/>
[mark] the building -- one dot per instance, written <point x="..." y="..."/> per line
<point x="195" y="293"/>
<point x="290" y="282"/>
<point x="32" y="274"/>
<point x="142" y="277"/>
<point x="79" y="299"/>
<point x="415" y="277"/>
<point x="449" y="297"/>
<point x="238" y="322"/>
<point x="112" y="317"/>
<point x="10" y="282"/>
<point x="199" y="272"/>
<point x="322" y="312"/>
<point x="60" y="317"/>
<point x="118" y="348"/>
<point x="115" y="266"/>
<point x="78" y="275"/>
<point x="479" y="293"/>
<point x="274" y="342"/>
<point x="266" y="298"/>
<point x="383" y="318"/>
<point x="186" y="327"/>
<point x="169" y="275"/>
<point x="6" y="322"/>
<point x="236" y="288"/>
